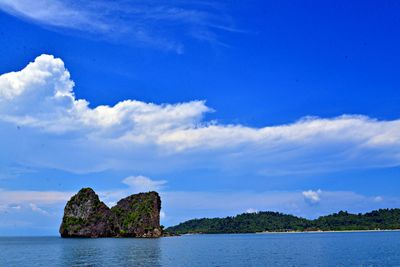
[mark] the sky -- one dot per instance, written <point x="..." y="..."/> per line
<point x="223" y="107"/>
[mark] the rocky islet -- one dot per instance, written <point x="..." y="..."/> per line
<point x="137" y="215"/>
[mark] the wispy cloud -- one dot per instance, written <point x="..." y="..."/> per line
<point x="148" y="137"/>
<point x="13" y="198"/>
<point x="55" y="13"/>
<point x="160" y="24"/>
<point x="35" y="208"/>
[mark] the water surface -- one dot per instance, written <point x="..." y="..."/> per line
<point x="301" y="249"/>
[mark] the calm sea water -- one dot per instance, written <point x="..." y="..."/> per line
<point x="305" y="249"/>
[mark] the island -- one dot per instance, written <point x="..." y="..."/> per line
<point x="137" y="215"/>
<point x="267" y="221"/>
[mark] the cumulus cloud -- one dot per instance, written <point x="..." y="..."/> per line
<point x="251" y="210"/>
<point x="41" y="95"/>
<point x="312" y="197"/>
<point x="38" y="105"/>
<point x="143" y="183"/>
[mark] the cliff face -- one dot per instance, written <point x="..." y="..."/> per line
<point x="139" y="215"/>
<point x="135" y="216"/>
<point x="86" y="216"/>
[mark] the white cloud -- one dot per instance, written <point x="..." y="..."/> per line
<point x="13" y="198"/>
<point x="53" y="13"/>
<point x="28" y="206"/>
<point x="162" y="215"/>
<point x="312" y="197"/>
<point x="38" y="105"/>
<point x="251" y="210"/>
<point x="35" y="208"/>
<point x="143" y="184"/>
<point x="41" y="95"/>
<point x="135" y="22"/>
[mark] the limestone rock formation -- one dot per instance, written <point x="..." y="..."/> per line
<point x="86" y="216"/>
<point x="139" y="215"/>
<point x="134" y="216"/>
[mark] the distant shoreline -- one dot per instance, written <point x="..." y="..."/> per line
<point x="269" y="222"/>
<point x="329" y="231"/>
<point x="297" y="232"/>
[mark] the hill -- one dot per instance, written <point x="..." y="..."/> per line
<point x="279" y="222"/>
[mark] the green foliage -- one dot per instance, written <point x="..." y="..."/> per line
<point x="378" y="219"/>
<point x="278" y="222"/>
<point x="73" y="223"/>
<point x="131" y="219"/>
<point x="69" y="221"/>
<point x="118" y="211"/>
<point x="135" y="213"/>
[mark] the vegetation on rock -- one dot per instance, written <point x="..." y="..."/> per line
<point x="139" y="215"/>
<point x="135" y="216"/>
<point x="85" y="215"/>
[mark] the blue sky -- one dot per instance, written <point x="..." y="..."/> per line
<point x="222" y="107"/>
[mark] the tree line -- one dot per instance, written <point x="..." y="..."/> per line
<point x="268" y="221"/>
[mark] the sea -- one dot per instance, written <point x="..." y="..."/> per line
<point x="284" y="249"/>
